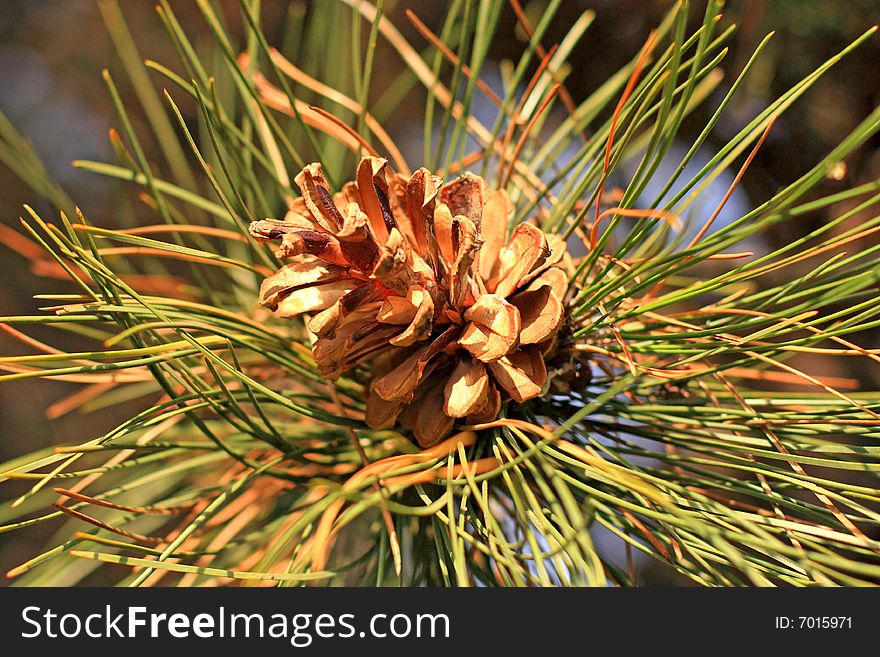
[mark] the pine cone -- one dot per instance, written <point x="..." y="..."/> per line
<point x="415" y="282"/>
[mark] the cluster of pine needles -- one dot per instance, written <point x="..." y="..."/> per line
<point x="683" y="419"/>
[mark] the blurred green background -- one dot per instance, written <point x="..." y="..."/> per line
<point x="52" y="53"/>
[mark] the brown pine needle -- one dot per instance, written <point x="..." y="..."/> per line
<point x="440" y="92"/>
<point x="348" y="129"/>
<point x="149" y="540"/>
<point x="813" y="381"/>
<point x="788" y="378"/>
<point x="517" y="118"/>
<point x="715" y="256"/>
<point x="321" y="543"/>
<point x="520" y="144"/>
<point x="146" y="510"/>
<point x="760" y="476"/>
<point x="641" y="62"/>
<point x="673" y="219"/>
<point x="478" y="467"/>
<point x="797" y="467"/>
<point x="300" y="77"/>
<point x="733" y="185"/>
<point x="465" y="162"/>
<point x="526" y="24"/>
<point x="76" y="400"/>
<point x="228" y="532"/>
<point x="647" y="534"/>
<point x="17" y="242"/>
<point x="36" y="344"/>
<point x="378" y="487"/>
<point x="452" y="57"/>
<point x="873" y="354"/>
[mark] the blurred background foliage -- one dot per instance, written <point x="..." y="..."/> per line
<point x="52" y="53"/>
